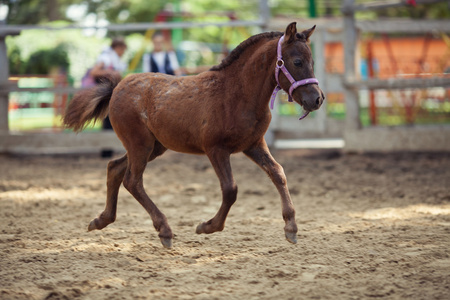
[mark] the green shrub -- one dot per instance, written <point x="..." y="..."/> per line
<point x="43" y="61"/>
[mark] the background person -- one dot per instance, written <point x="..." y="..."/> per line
<point x="109" y="63"/>
<point x="161" y="60"/>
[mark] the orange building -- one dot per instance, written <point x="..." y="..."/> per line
<point x="396" y="56"/>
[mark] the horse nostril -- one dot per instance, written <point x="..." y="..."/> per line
<point x="318" y="101"/>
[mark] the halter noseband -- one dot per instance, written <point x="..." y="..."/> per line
<point x="294" y="84"/>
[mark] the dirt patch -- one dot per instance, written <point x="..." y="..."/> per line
<point x="370" y="226"/>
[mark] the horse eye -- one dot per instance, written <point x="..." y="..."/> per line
<point x="298" y="63"/>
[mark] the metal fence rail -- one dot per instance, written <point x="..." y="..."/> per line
<point x="8" y="29"/>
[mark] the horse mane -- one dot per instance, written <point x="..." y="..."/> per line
<point x="234" y="55"/>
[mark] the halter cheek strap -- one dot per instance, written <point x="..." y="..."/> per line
<point x="294" y="84"/>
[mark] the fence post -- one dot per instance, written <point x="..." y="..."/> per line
<point x="264" y="16"/>
<point x="4" y="92"/>
<point x="352" y="121"/>
<point x="264" y="13"/>
<point x="319" y="70"/>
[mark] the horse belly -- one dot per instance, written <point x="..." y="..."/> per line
<point x="179" y="141"/>
<point x="176" y="128"/>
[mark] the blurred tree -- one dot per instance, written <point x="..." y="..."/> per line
<point x="420" y="11"/>
<point x="84" y="48"/>
<point x="37" y="11"/>
<point x="16" y="63"/>
<point x="43" y="61"/>
<point x="62" y="46"/>
<point x="131" y="11"/>
<point x="126" y="11"/>
<point x="120" y="11"/>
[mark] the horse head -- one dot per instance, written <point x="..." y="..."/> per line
<point x="298" y="61"/>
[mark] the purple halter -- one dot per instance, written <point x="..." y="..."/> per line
<point x="294" y="84"/>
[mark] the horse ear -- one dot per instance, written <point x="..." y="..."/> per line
<point x="309" y="32"/>
<point x="291" y="31"/>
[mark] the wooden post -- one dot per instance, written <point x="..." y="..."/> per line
<point x="350" y="45"/>
<point x="371" y="74"/>
<point x="319" y="71"/>
<point x="4" y="92"/>
<point x="264" y="14"/>
<point x="4" y="76"/>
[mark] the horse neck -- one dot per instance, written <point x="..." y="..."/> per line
<point x="254" y="70"/>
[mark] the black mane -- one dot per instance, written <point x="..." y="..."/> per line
<point x="234" y="55"/>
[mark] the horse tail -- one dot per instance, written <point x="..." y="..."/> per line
<point x="90" y="104"/>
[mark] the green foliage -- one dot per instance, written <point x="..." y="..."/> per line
<point x="16" y="63"/>
<point x="37" y="11"/>
<point x="422" y="11"/>
<point x="41" y="58"/>
<point x="43" y="61"/>
<point x="132" y="11"/>
<point x="81" y="50"/>
<point x="127" y="11"/>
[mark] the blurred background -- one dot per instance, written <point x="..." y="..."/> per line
<point x="382" y="64"/>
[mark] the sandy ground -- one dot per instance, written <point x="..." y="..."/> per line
<point x="370" y="226"/>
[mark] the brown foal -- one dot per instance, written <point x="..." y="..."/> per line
<point x="219" y="112"/>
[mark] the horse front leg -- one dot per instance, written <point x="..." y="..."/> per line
<point x="220" y="161"/>
<point x="260" y="154"/>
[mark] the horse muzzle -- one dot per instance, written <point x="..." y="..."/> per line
<point x="311" y="97"/>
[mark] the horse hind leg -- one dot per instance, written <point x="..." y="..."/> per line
<point x="145" y="148"/>
<point x="116" y="172"/>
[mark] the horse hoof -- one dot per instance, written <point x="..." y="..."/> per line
<point x="166" y="242"/>
<point x="199" y="229"/>
<point x="92" y="225"/>
<point x="291" y="237"/>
